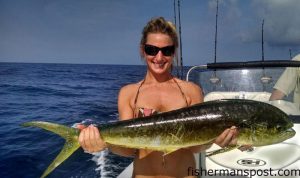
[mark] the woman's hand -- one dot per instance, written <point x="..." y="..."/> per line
<point x="90" y="140"/>
<point x="228" y="137"/>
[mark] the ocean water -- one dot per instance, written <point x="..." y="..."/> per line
<point x="61" y="93"/>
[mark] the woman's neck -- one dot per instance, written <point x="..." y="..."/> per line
<point x="160" y="78"/>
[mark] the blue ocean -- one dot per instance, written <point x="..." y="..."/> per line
<point x="60" y="93"/>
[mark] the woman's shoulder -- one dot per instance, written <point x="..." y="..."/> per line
<point x="187" y="85"/>
<point x="192" y="91"/>
<point x="130" y="88"/>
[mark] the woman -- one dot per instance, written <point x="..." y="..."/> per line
<point x="159" y="91"/>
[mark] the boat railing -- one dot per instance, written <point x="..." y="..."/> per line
<point x="242" y="65"/>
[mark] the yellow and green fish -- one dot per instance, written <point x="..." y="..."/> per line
<point x="258" y="124"/>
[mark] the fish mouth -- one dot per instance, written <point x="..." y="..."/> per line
<point x="291" y="130"/>
<point x="289" y="133"/>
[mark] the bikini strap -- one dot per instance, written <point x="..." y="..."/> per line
<point x="137" y="94"/>
<point x="181" y="91"/>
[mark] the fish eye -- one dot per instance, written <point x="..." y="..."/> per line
<point x="279" y="127"/>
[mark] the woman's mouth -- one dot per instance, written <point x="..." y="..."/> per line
<point x="159" y="64"/>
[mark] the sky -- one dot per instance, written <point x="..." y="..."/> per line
<point x="109" y="31"/>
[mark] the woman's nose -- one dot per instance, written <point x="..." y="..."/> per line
<point x="159" y="56"/>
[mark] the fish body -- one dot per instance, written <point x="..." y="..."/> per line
<point x="258" y="124"/>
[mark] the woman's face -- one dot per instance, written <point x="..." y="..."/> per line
<point x="158" y="52"/>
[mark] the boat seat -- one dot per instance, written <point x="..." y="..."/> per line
<point x="257" y="96"/>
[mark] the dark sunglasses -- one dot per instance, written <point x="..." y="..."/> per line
<point x="153" y="50"/>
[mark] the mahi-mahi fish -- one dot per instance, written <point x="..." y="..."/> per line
<point x="258" y="124"/>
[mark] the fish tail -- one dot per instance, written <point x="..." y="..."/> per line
<point x="68" y="133"/>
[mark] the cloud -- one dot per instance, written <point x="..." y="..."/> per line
<point x="282" y="23"/>
<point x="229" y="10"/>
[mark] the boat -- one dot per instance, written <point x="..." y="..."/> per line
<point x="252" y="80"/>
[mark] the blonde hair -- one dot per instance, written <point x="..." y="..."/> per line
<point x="160" y="25"/>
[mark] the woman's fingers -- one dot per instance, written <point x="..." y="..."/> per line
<point x="84" y="139"/>
<point x="90" y="139"/>
<point x="81" y="139"/>
<point x="98" y="140"/>
<point x="228" y="137"/>
<point x="80" y="126"/>
<point x="220" y="139"/>
<point x="235" y="132"/>
<point x="95" y="142"/>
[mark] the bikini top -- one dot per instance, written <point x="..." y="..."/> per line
<point x="142" y="112"/>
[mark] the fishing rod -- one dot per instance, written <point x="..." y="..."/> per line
<point x="216" y="32"/>
<point x="180" y="44"/>
<point x="178" y="58"/>
<point x="262" y="41"/>
<point x="175" y="22"/>
<point x="214" y="79"/>
<point x="264" y="79"/>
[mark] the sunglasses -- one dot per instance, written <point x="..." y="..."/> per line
<point x="153" y="50"/>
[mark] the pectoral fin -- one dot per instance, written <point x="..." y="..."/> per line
<point x="222" y="150"/>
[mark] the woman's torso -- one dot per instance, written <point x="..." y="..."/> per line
<point x="152" y="99"/>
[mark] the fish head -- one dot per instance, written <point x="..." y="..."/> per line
<point x="263" y="135"/>
<point x="268" y="126"/>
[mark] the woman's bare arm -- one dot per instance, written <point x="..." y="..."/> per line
<point x="276" y="95"/>
<point x="90" y="137"/>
